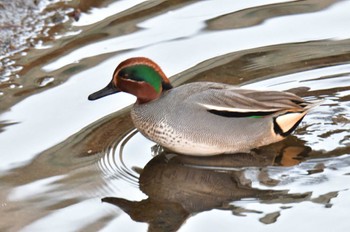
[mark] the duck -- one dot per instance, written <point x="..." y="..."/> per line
<point x="204" y="118"/>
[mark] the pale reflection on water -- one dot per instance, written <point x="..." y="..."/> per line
<point x="61" y="154"/>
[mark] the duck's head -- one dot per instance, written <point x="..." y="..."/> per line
<point x="139" y="76"/>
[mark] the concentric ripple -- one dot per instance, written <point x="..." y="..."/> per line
<point x="125" y="158"/>
<point x="112" y="163"/>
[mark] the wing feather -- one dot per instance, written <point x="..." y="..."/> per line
<point x="234" y="99"/>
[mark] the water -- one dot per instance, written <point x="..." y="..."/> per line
<point x="61" y="155"/>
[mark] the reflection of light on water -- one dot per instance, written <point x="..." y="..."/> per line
<point x="54" y="116"/>
<point x="73" y="218"/>
<point x="33" y="189"/>
<point x="310" y="78"/>
<point x="153" y="40"/>
<point x="178" y="24"/>
<point x="96" y="15"/>
<point x="300" y="178"/>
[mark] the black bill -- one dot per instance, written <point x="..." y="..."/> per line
<point x="108" y="90"/>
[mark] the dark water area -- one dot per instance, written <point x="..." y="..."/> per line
<point x="68" y="164"/>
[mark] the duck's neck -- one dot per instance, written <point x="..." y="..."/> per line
<point x="147" y="93"/>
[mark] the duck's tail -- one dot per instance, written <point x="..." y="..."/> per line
<point x="286" y="122"/>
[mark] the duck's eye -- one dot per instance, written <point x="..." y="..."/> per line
<point x="123" y="74"/>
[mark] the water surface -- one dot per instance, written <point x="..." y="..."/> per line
<point x="81" y="166"/>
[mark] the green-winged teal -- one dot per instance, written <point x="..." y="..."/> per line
<point x="204" y="118"/>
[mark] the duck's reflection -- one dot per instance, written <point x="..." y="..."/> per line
<point x="179" y="186"/>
